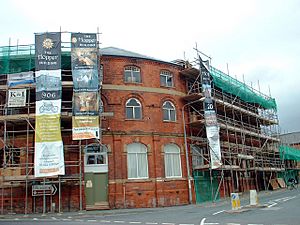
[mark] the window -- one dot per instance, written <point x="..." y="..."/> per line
<point x="166" y="78"/>
<point x="132" y="74"/>
<point x="172" y="161"/>
<point x="133" y="109"/>
<point x="137" y="162"/>
<point x="169" y="112"/>
<point x="96" y="154"/>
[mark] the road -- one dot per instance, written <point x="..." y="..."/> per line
<point x="280" y="208"/>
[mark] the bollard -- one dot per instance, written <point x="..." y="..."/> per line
<point x="235" y="201"/>
<point x="253" y="198"/>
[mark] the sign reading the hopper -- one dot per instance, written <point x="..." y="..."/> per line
<point x="211" y="124"/>
<point x="85" y="120"/>
<point x="49" y="156"/>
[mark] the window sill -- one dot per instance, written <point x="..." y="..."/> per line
<point x="174" y="179"/>
<point x="169" y="121"/>
<point x="169" y="87"/>
<point x="137" y="180"/>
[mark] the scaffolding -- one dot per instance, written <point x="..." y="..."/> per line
<point x="249" y="136"/>
<point x="17" y="141"/>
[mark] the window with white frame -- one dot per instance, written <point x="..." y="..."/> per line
<point x="169" y="111"/>
<point x="166" y="78"/>
<point x="137" y="162"/>
<point x="133" y="109"/>
<point x="172" y="161"/>
<point x="132" y="74"/>
<point x="95" y="154"/>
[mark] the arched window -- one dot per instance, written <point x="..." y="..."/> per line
<point x="132" y="74"/>
<point x="169" y="111"/>
<point x="137" y="162"/>
<point x="172" y="161"/>
<point x="166" y="78"/>
<point x="133" y="109"/>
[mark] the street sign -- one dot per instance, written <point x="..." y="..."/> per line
<point x="235" y="201"/>
<point x="40" y="190"/>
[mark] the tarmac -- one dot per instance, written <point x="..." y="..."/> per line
<point x="244" y="197"/>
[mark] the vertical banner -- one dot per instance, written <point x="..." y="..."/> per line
<point x="49" y="155"/>
<point x="85" y="120"/>
<point x="211" y="123"/>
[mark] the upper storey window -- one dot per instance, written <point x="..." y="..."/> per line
<point x="133" y="109"/>
<point x="169" y="111"/>
<point x="132" y="74"/>
<point x="166" y="78"/>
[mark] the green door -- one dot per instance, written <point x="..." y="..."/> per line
<point x="95" y="188"/>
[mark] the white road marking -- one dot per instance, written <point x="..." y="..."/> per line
<point x="274" y="203"/>
<point x="202" y="221"/>
<point x="218" y="212"/>
<point x="78" y="220"/>
<point x="212" y="223"/>
<point x="186" y="224"/>
<point x="105" y="221"/>
<point x="150" y="223"/>
<point x="233" y="224"/>
<point x="54" y="218"/>
<point x="66" y="219"/>
<point x="289" y="198"/>
<point x="135" y="222"/>
<point x="16" y="218"/>
<point x="119" y="221"/>
<point x="35" y="219"/>
<point x="168" y="223"/>
<point x="255" y="224"/>
<point x="92" y="220"/>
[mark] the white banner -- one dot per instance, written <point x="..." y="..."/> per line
<point x="49" y="151"/>
<point x="212" y="134"/>
<point x="20" y="78"/>
<point x="49" y="160"/>
<point x="16" y="98"/>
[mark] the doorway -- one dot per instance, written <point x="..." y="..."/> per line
<point x="96" y="176"/>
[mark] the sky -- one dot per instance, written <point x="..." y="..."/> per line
<point x="257" y="41"/>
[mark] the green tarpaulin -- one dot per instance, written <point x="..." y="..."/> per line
<point x="289" y="153"/>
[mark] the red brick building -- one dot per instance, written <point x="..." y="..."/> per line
<point x="149" y="154"/>
<point x="142" y="162"/>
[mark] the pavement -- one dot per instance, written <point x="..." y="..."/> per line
<point x="244" y="198"/>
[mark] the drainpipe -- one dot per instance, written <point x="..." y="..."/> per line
<point x="186" y="150"/>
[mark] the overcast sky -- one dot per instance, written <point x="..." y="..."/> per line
<point x="258" y="39"/>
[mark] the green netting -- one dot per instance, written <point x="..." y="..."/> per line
<point x="205" y="188"/>
<point x="289" y="153"/>
<point x="16" y="59"/>
<point x="232" y="86"/>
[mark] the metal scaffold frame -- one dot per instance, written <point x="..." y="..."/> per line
<point x="249" y="135"/>
<point x="19" y="124"/>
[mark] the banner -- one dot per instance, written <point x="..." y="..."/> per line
<point x="49" y="155"/>
<point x="211" y="123"/>
<point x="16" y="98"/>
<point x="16" y="79"/>
<point x="85" y="120"/>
